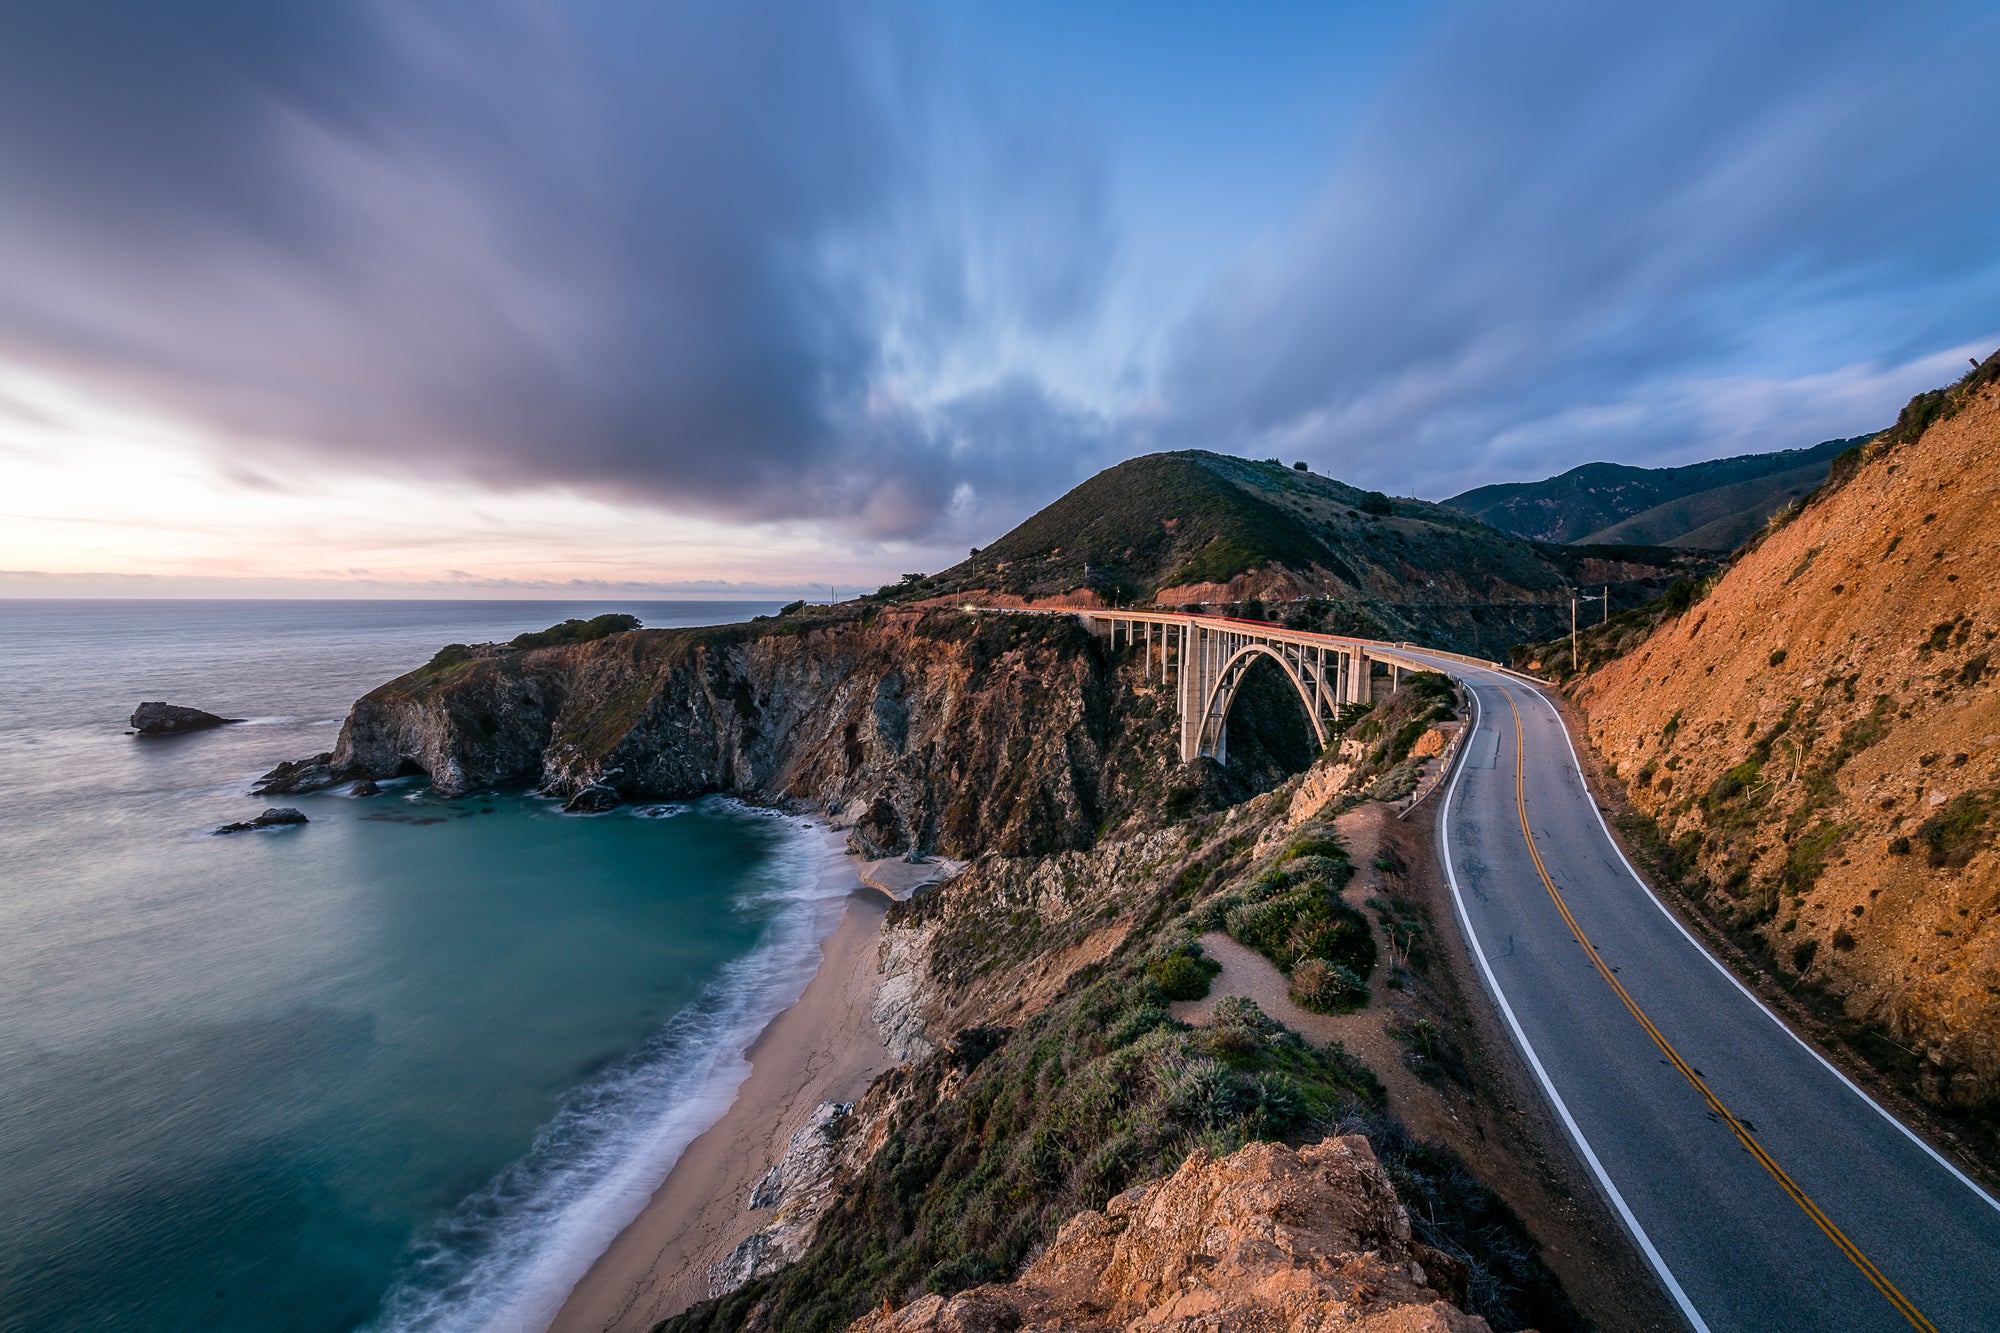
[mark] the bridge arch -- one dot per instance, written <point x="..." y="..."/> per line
<point x="1213" y="741"/>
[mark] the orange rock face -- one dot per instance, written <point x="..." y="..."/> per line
<point x="1267" y="1239"/>
<point x="1820" y="735"/>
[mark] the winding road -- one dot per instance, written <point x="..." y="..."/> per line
<point x="1766" y="1190"/>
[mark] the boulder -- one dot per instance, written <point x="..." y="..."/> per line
<point x="162" y="719"/>
<point x="1267" y="1240"/>
<point x="593" y="800"/>
<point x="365" y="787"/>
<point x="274" y="817"/>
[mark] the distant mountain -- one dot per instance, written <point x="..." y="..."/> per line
<point x="1712" y="506"/>
<point x="1199" y="527"/>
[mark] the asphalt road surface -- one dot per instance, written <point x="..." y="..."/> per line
<point x="1766" y="1190"/>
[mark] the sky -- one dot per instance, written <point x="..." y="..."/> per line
<point x="618" y="297"/>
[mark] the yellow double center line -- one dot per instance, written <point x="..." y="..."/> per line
<point x="1847" y="1247"/>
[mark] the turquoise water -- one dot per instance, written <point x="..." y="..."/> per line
<point x="409" y="1066"/>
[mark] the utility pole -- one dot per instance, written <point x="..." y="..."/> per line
<point x="1574" y="598"/>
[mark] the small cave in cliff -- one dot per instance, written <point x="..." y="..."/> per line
<point x="1270" y="738"/>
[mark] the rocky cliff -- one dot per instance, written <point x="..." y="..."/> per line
<point x="934" y="731"/>
<point x="1269" y="1239"/>
<point x="1818" y="738"/>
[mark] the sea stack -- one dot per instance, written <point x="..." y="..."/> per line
<point x="275" y="817"/>
<point x="163" y="719"/>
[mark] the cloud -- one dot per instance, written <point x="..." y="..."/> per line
<point x="1563" y="217"/>
<point x="655" y="252"/>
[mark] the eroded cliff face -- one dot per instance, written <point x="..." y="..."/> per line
<point x="933" y="731"/>
<point x="1820" y="736"/>
<point x="1270" y="1239"/>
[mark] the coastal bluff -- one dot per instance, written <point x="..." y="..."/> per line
<point x="929" y="731"/>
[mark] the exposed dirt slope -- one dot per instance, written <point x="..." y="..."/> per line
<point x="1267" y="1239"/>
<point x="1820" y="737"/>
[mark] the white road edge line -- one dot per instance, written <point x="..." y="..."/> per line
<point x="1535" y="1061"/>
<point x="1750" y="995"/>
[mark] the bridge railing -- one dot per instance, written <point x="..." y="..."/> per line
<point x="1379" y="649"/>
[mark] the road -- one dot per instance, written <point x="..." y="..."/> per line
<point x="1766" y="1190"/>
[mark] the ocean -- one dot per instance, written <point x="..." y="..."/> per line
<point x="410" y="1066"/>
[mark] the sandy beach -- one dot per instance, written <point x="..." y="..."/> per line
<point x="826" y="1047"/>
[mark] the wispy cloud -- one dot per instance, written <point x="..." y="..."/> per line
<point x="656" y="251"/>
<point x="834" y="272"/>
<point x="1560" y="218"/>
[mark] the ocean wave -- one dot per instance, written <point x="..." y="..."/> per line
<point x="508" y="1256"/>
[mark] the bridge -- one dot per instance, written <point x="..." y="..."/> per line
<point x="1206" y="658"/>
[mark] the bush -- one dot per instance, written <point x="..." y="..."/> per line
<point x="1326" y="987"/>
<point x="1307" y="922"/>
<point x="1678" y="597"/>
<point x="1183" y="976"/>
<point x="1955" y="832"/>
<point x="1777" y="657"/>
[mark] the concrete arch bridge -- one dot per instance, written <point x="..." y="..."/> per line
<point x="1206" y="658"/>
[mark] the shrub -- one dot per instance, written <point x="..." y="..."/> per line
<point x="1956" y="831"/>
<point x="1183" y="976"/>
<point x="1842" y="940"/>
<point x="1374" y="502"/>
<point x="1678" y="597"/>
<point x="1328" y="870"/>
<point x="1777" y="657"/>
<point x="1802" y="954"/>
<point x="1326" y="987"/>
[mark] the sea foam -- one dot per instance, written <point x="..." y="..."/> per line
<point x="508" y="1256"/>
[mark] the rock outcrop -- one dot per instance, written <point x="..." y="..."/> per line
<point x="798" y="1190"/>
<point x="1269" y="1239"/>
<point x="295" y="776"/>
<point x="164" y="719"/>
<point x="935" y="731"/>
<point x="1819" y="738"/>
<point x="274" y="817"/>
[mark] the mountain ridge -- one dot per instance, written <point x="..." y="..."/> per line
<point x="1714" y="505"/>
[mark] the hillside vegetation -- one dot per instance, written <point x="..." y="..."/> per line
<point x="1712" y="506"/>
<point x="1816" y="737"/>
<point x="1201" y="528"/>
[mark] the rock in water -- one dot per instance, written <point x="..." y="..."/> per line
<point x="275" y="817"/>
<point x="162" y="719"/>
<point x="297" y="775"/>
<point x="593" y="800"/>
<point x="365" y="787"/>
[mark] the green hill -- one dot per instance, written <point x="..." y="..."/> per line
<point x="1712" y="506"/>
<point x="1194" y="526"/>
